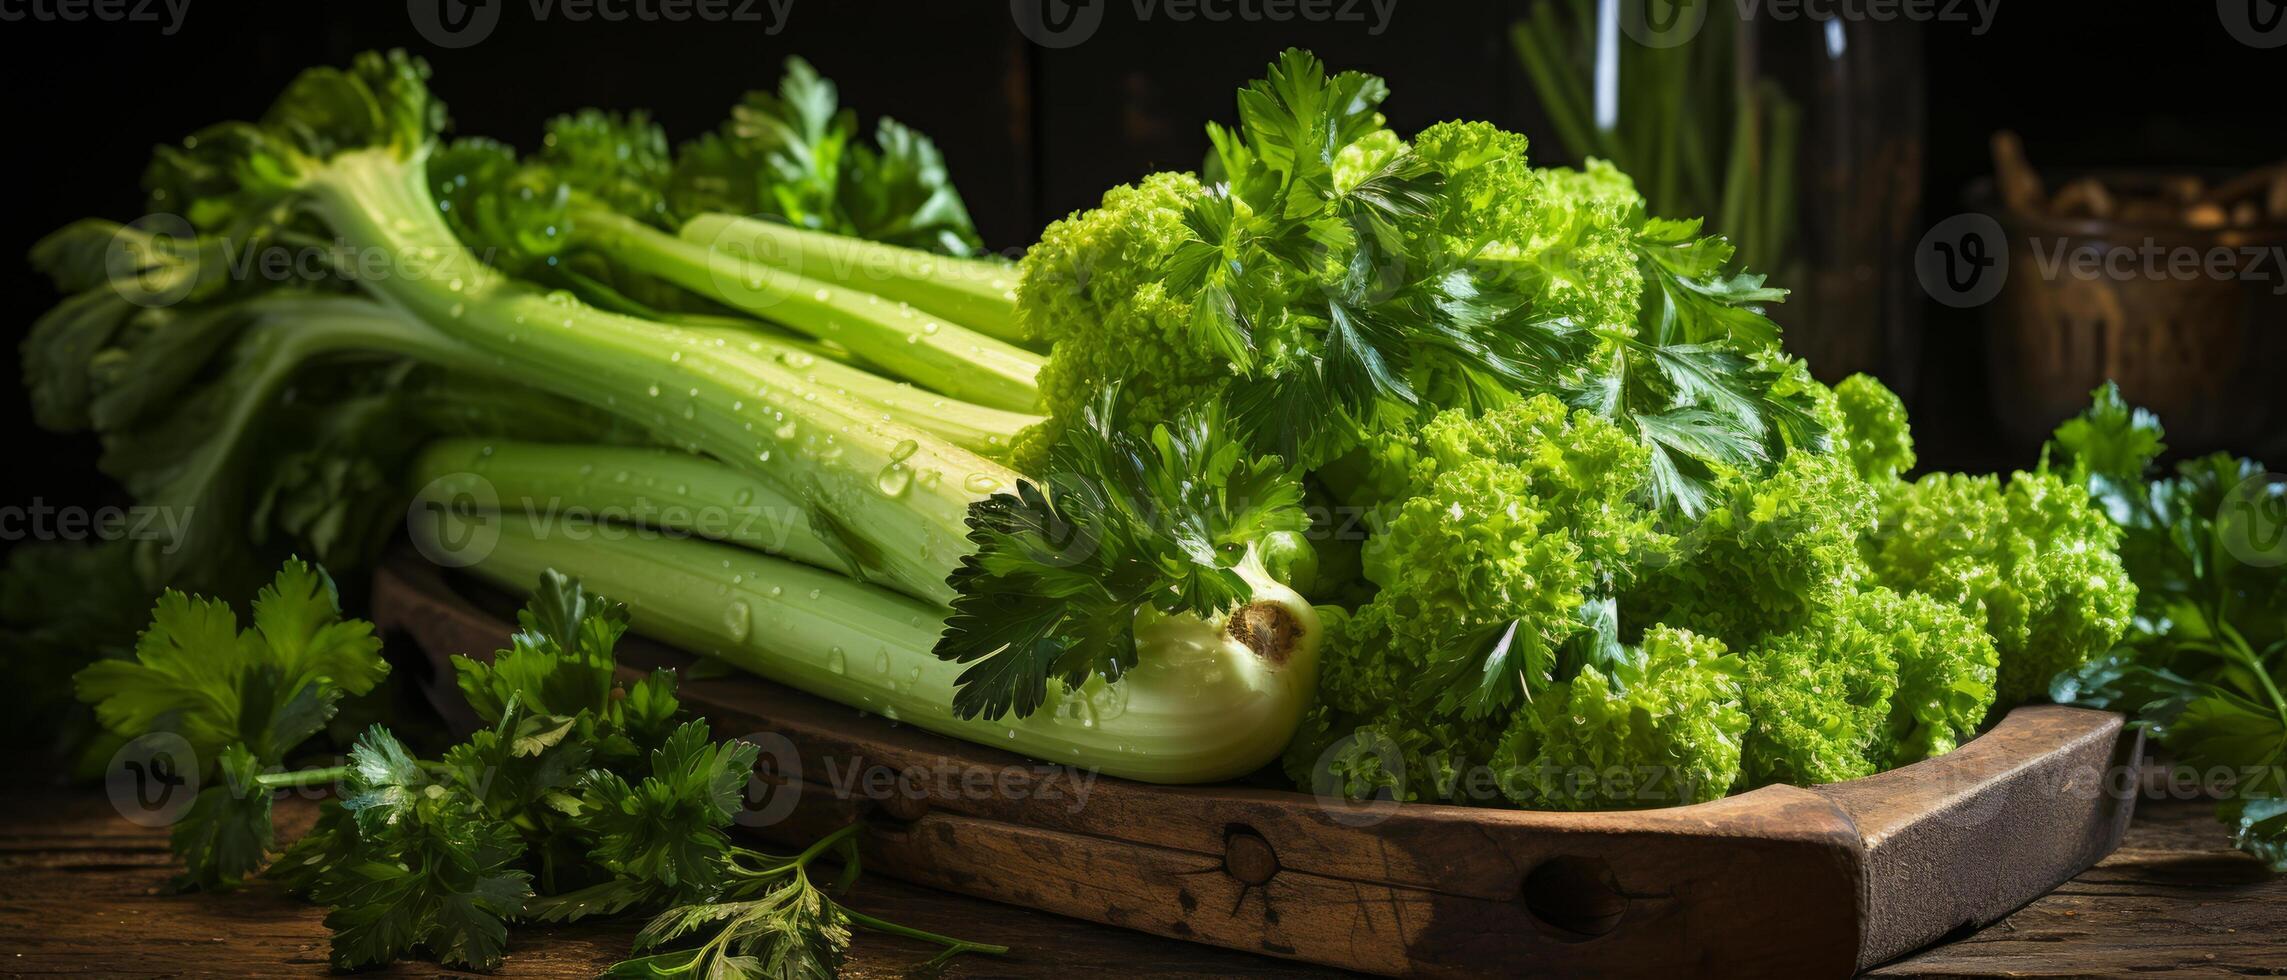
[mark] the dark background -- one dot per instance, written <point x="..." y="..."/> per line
<point x="1032" y="134"/>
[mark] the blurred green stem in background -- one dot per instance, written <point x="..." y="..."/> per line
<point x="1702" y="133"/>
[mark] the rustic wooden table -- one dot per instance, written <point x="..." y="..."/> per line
<point x="80" y="893"/>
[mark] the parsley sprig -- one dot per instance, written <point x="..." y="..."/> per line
<point x="1355" y="284"/>
<point x="582" y="795"/>
<point x="1129" y="520"/>
<point x="2205" y="659"/>
<point x="773" y="920"/>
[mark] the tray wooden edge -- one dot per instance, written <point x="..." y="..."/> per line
<point x="1853" y="873"/>
<point x="1960" y="841"/>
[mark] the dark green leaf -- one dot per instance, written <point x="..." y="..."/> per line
<point x="1489" y="669"/>
<point x="227" y="833"/>
<point x="1129" y="520"/>
<point x="2259" y="827"/>
<point x="668" y="828"/>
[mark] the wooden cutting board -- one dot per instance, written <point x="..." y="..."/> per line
<point x="1779" y="881"/>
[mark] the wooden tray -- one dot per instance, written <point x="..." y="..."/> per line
<point x="1779" y="881"/>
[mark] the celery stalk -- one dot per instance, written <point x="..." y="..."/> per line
<point x="1199" y="706"/>
<point x="977" y="293"/>
<point x="933" y="351"/>
<point x="607" y="490"/>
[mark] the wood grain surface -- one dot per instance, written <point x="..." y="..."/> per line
<point x="80" y="894"/>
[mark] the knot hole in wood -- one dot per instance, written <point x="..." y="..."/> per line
<point x="1574" y="897"/>
<point x="1248" y="857"/>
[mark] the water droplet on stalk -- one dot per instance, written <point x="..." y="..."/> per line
<point x="737" y="620"/>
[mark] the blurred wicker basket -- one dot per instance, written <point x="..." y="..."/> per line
<point x="2207" y="352"/>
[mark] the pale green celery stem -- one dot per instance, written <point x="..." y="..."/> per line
<point x="285" y="335"/>
<point x="892" y="486"/>
<point x="989" y="431"/>
<point x="2237" y="648"/>
<point x="605" y="491"/>
<point x="1196" y="708"/>
<point x="1775" y="240"/>
<point x="768" y="331"/>
<point x="976" y="293"/>
<point x="934" y="352"/>
<point x="1562" y="95"/>
<point x="312" y="325"/>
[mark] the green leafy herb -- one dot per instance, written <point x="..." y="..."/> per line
<point x="772" y="920"/>
<point x="797" y="156"/>
<point x="241" y="699"/>
<point x="2204" y="662"/>
<point x="1128" y="522"/>
<point x="583" y="796"/>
